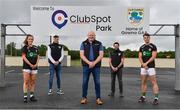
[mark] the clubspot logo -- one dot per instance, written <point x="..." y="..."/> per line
<point x="135" y="15"/>
<point x="59" y="18"/>
<point x="102" y="23"/>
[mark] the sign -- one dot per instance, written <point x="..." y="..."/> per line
<point x="79" y="20"/>
<point x="137" y="22"/>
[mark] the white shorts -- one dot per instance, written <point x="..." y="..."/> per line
<point x="30" y="71"/>
<point x="149" y="71"/>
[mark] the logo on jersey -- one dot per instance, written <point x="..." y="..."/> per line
<point x="59" y="18"/>
<point x="135" y="16"/>
<point x="31" y="54"/>
<point x="147" y="53"/>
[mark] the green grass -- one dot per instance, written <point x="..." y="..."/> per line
<point x="76" y="62"/>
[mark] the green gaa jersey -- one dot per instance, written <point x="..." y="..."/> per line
<point x="146" y="51"/>
<point x="31" y="54"/>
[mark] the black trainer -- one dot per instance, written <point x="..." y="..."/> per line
<point x="111" y="94"/>
<point x="142" y="99"/>
<point x="121" y="95"/>
<point x="25" y="100"/>
<point x="33" y="99"/>
<point x="155" y="102"/>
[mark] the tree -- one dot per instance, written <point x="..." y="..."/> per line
<point x="65" y="48"/>
<point x="130" y="54"/>
<point x="42" y="50"/>
<point x="11" y="49"/>
<point x="74" y="54"/>
<point x="107" y="51"/>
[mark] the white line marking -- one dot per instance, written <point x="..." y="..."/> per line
<point x="9" y="71"/>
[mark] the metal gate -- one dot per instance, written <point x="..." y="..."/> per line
<point x="176" y="34"/>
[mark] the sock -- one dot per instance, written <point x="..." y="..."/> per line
<point x="31" y="94"/>
<point x="143" y="94"/>
<point x="25" y="95"/>
<point x="156" y="96"/>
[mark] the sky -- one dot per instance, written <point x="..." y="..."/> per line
<point x="161" y="12"/>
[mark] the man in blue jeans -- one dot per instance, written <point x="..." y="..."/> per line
<point x="55" y="57"/>
<point x="91" y="53"/>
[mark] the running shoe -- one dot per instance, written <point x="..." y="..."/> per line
<point x="111" y="94"/>
<point x="25" y="99"/>
<point x="33" y="99"/>
<point x="50" y="92"/>
<point x="142" y="99"/>
<point x="60" y="92"/>
<point x="155" y="102"/>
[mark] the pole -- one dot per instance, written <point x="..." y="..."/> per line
<point x="177" y="58"/>
<point x="2" y="56"/>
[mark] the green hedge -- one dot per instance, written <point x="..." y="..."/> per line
<point x="74" y="54"/>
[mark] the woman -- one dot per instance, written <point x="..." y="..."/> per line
<point x="30" y="56"/>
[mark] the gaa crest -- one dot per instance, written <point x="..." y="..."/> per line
<point x="135" y="16"/>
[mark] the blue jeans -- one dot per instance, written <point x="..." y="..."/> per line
<point x="54" y="69"/>
<point x="96" y="76"/>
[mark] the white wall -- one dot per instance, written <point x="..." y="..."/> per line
<point x="129" y="62"/>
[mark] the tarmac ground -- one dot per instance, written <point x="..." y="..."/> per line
<point x="11" y="96"/>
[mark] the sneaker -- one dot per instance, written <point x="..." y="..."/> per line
<point x="142" y="99"/>
<point x="60" y="92"/>
<point x="25" y="100"/>
<point x="84" y="101"/>
<point x="33" y="99"/>
<point x="155" y="102"/>
<point x="111" y="94"/>
<point x="99" y="101"/>
<point x="121" y="95"/>
<point x="50" y="92"/>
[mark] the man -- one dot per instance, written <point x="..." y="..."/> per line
<point x="116" y="61"/>
<point x="91" y="53"/>
<point x="55" y="57"/>
<point x="147" y="55"/>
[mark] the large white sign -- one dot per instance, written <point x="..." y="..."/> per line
<point x="78" y="20"/>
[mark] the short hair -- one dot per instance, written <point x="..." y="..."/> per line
<point x="116" y="43"/>
<point x="55" y="36"/>
<point x="146" y="34"/>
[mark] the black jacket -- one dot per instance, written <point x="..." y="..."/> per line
<point x="116" y="56"/>
<point x="96" y="47"/>
<point x="55" y="51"/>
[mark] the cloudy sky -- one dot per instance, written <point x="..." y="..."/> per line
<point x="161" y="12"/>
